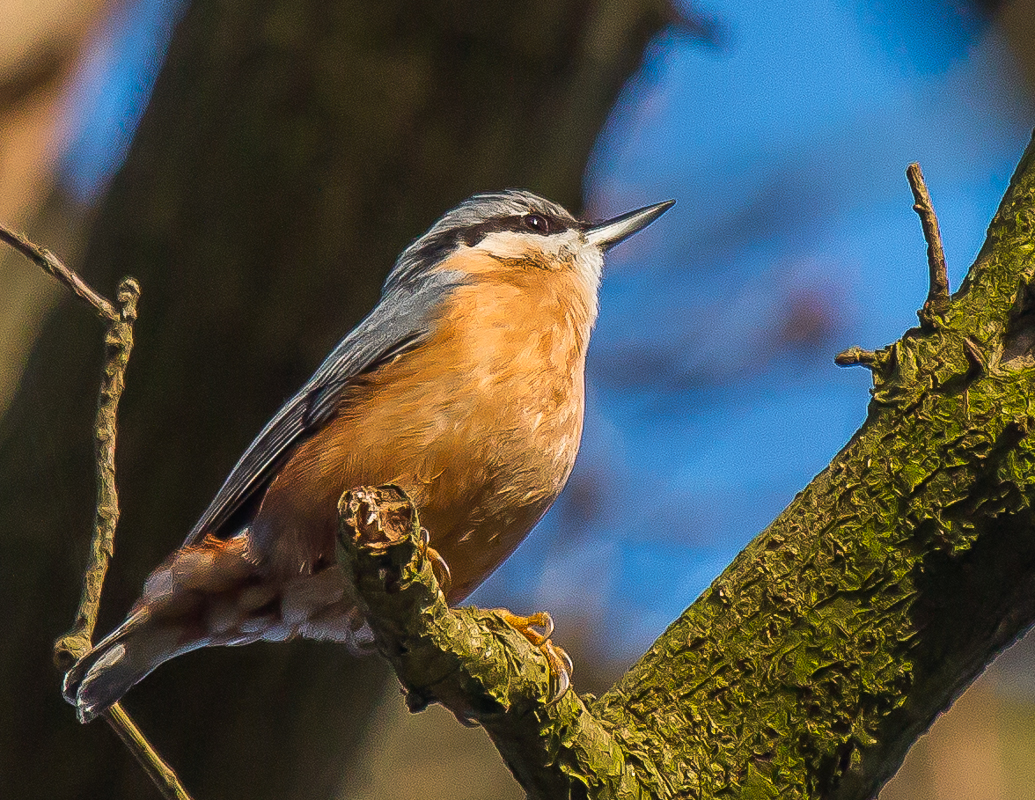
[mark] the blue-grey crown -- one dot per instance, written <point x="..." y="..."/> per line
<point x="466" y="223"/>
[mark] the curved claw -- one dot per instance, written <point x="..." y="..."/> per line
<point x="560" y="670"/>
<point x="543" y="620"/>
<point x="442" y="574"/>
<point x="568" y="663"/>
<point x="438" y="564"/>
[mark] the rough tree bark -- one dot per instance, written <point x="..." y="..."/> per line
<point x="290" y="150"/>
<point x="835" y="638"/>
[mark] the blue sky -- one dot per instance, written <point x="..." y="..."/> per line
<point x="786" y="151"/>
<point x="712" y="393"/>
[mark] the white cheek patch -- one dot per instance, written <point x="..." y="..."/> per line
<point x="560" y="247"/>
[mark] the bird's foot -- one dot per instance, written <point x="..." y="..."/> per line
<point x="438" y="564"/>
<point x="538" y="628"/>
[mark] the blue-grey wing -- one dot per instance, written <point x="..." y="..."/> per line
<point x="403" y="318"/>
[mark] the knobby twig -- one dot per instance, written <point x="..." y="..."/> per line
<point x="856" y="356"/>
<point x="974" y="358"/>
<point x="118" y="342"/>
<point x="938" y="294"/>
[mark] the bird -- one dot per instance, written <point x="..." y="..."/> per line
<point x="465" y="386"/>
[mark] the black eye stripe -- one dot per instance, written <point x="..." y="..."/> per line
<point x="518" y="223"/>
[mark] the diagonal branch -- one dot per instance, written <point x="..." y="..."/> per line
<point x="157" y="768"/>
<point x="836" y="637"/>
<point x="118" y="343"/>
<point x="839" y="634"/>
<point x="472" y="661"/>
<point x="51" y="264"/>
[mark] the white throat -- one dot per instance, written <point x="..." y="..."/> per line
<point x="567" y="250"/>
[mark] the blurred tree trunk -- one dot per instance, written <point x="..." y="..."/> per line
<point x="291" y="149"/>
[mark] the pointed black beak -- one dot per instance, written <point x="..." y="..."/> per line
<point x="607" y="234"/>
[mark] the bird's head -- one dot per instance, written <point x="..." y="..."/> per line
<point x="520" y="231"/>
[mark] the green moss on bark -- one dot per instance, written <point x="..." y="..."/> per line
<point x="833" y="640"/>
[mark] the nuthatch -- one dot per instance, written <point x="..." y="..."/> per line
<point x="464" y="386"/>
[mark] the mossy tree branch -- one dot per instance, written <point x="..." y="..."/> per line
<point x="471" y="661"/>
<point x="835" y="638"/>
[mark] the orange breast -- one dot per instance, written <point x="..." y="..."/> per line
<point x="481" y="424"/>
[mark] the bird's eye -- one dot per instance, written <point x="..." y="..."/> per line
<point x="537" y="223"/>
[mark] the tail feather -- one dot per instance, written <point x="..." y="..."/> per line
<point x="211" y="594"/>
<point x="131" y="653"/>
<point x="173" y="616"/>
<point x="102" y="676"/>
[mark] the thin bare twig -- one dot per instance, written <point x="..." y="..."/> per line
<point x="160" y="773"/>
<point x="118" y="345"/>
<point x="50" y="263"/>
<point x="938" y="293"/>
